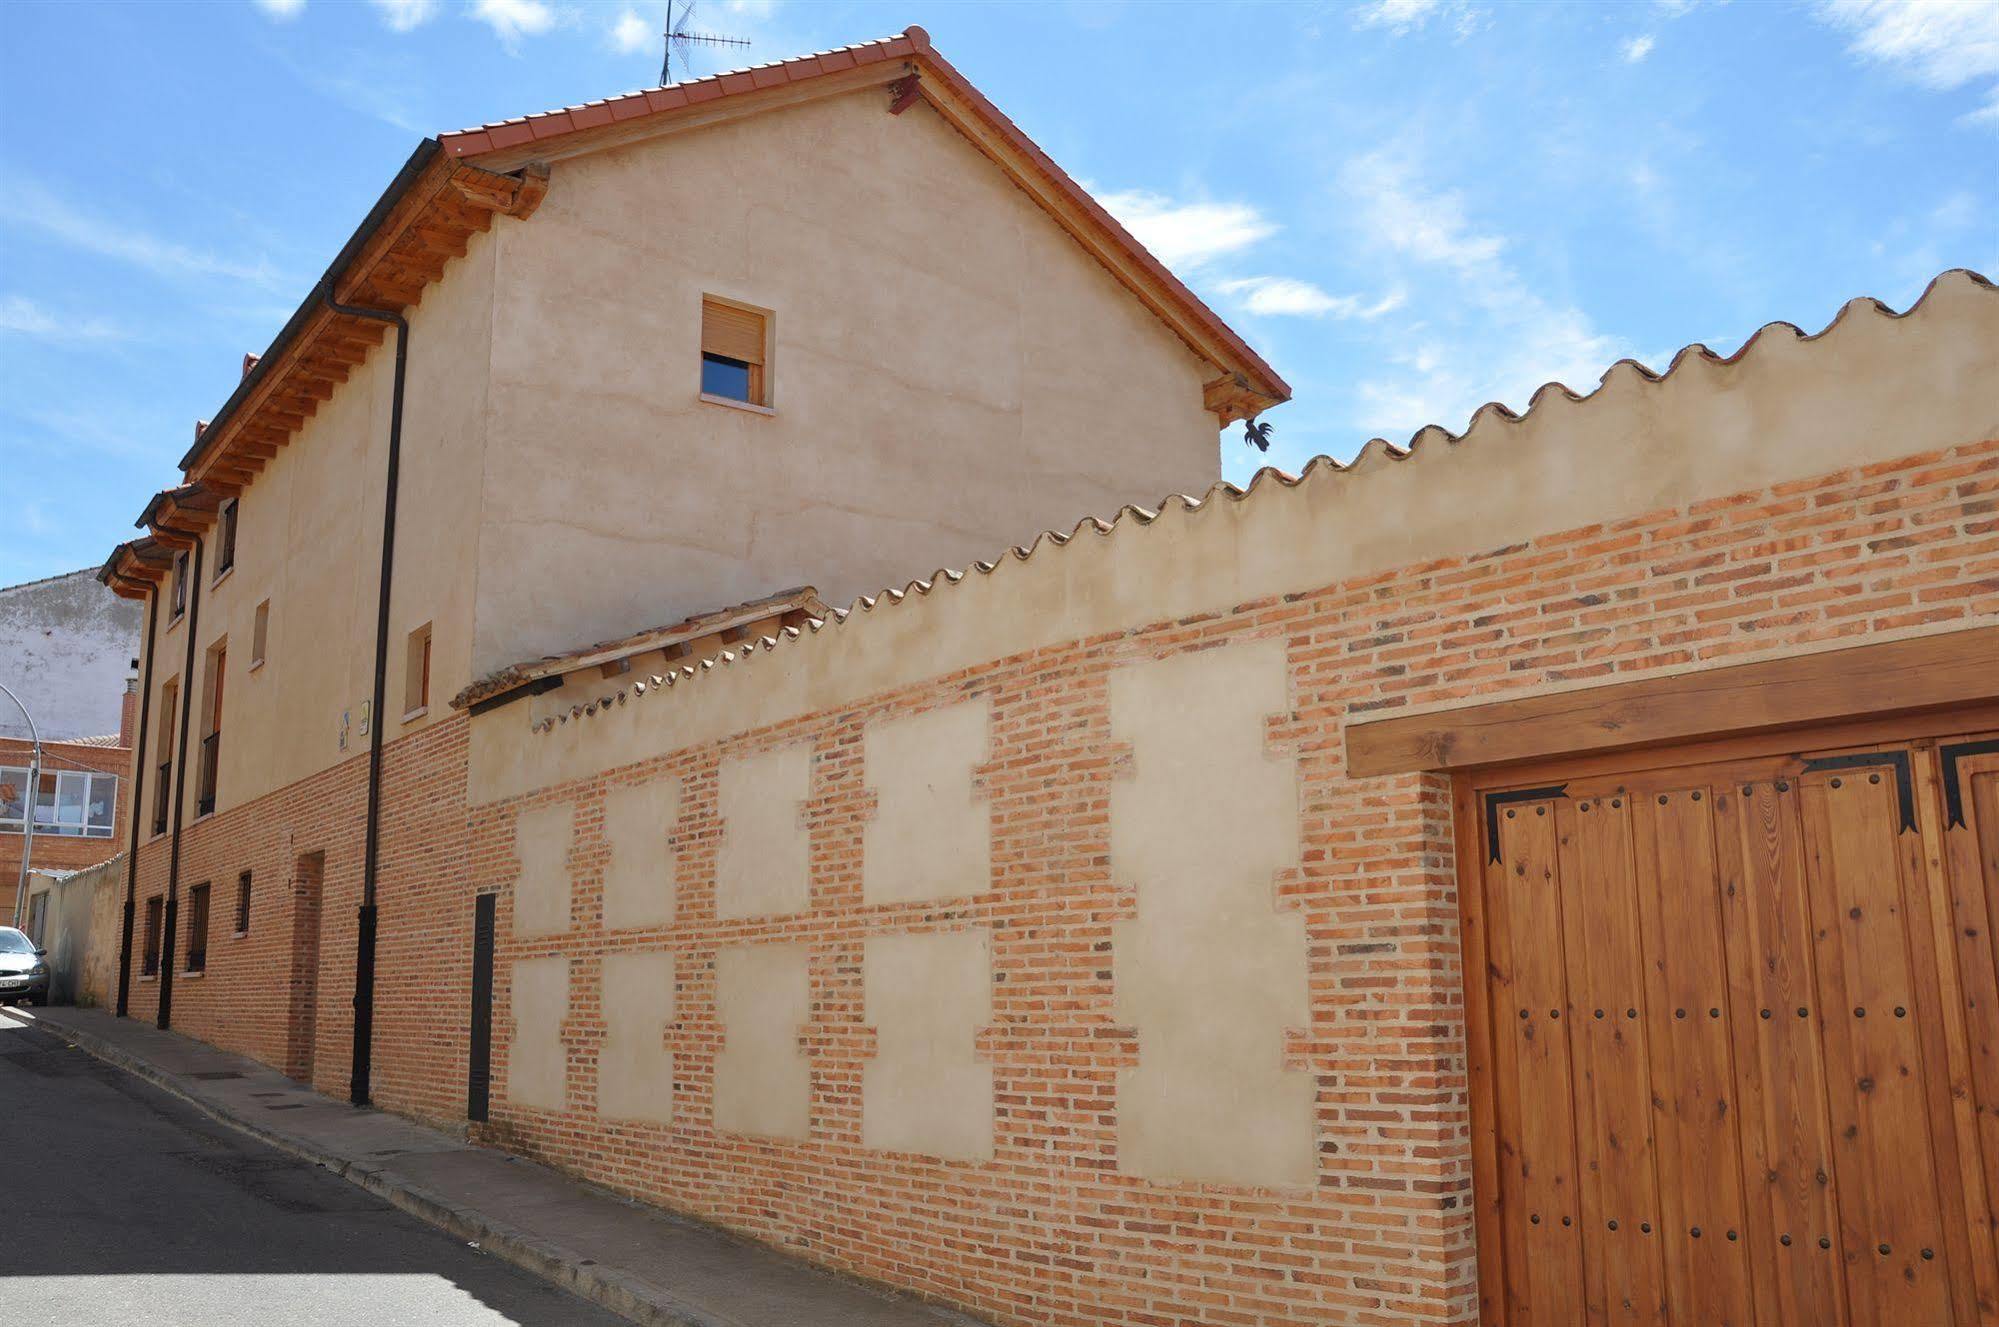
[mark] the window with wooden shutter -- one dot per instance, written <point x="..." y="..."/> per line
<point x="735" y="352"/>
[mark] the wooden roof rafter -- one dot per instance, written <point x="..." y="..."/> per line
<point x="424" y="221"/>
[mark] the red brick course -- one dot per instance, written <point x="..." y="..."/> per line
<point x="1048" y="1231"/>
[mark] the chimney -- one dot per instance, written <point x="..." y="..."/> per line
<point x="128" y="713"/>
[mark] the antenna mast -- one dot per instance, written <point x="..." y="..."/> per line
<point x="678" y="31"/>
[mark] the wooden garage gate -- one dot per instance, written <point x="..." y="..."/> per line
<point x="1736" y="1056"/>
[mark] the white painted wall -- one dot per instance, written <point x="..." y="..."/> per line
<point x="66" y="648"/>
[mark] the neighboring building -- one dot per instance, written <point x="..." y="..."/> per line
<point x="1377" y="896"/>
<point x="73" y="914"/>
<point x="79" y="808"/>
<point x="66" y="647"/>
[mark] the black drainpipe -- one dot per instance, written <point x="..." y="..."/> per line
<point x="364" y="949"/>
<point x="134" y="803"/>
<point x="180" y="793"/>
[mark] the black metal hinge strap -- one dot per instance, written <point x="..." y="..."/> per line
<point x="1953" y="791"/>
<point x="1493" y="801"/>
<point x="1905" y="786"/>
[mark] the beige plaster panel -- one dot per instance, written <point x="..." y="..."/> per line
<point x="763" y="1082"/>
<point x="542" y="839"/>
<point x="1871" y="388"/>
<point x="537" y="1060"/>
<point x="764" y="863"/>
<point x="639" y="824"/>
<point x="931" y="835"/>
<point x="1210" y="973"/>
<point x="309" y="541"/>
<point x="928" y="997"/>
<point x="962" y="376"/>
<point x="634" y="1067"/>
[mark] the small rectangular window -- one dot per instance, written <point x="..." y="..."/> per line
<point x="416" y="673"/>
<point x="735" y="352"/>
<point x="260" y="633"/>
<point x="225" y="538"/>
<point x="149" y="960"/>
<point x="243" y="904"/>
<point x="178" y="605"/>
<point x="197" y="928"/>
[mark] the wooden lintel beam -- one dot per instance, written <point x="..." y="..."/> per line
<point x="1922" y="673"/>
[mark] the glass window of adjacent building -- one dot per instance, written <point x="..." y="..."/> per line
<point x="72" y="803"/>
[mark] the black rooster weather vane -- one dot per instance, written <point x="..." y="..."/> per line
<point x="1256" y="434"/>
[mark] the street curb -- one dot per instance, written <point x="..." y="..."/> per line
<point x="622" y="1294"/>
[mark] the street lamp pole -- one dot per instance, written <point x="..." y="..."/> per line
<point x="30" y="794"/>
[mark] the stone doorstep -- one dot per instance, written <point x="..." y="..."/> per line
<point x="772" y="1288"/>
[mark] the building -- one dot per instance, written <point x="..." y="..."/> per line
<point x="67" y="646"/>
<point x="1346" y="900"/>
<point x="80" y="808"/>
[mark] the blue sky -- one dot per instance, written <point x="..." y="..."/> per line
<point x="1410" y="206"/>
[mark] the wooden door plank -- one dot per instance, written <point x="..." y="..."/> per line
<point x="1536" y="1121"/>
<point x="1788" y="1172"/>
<point x="1623" y="1266"/>
<point x="1692" y="1061"/>
<point x="1891" y="1229"/>
<point x="1961" y="868"/>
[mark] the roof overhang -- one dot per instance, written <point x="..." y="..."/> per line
<point x="726" y="626"/>
<point x="424" y="219"/>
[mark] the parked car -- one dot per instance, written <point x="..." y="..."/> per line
<point x="24" y="968"/>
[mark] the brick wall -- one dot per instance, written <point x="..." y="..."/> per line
<point x="1049" y="1230"/>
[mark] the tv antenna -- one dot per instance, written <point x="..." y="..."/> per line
<point x="677" y="31"/>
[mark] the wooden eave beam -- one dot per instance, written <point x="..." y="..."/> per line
<point x="1885" y="679"/>
<point x="511" y="195"/>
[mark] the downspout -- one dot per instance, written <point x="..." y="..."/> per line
<point x="364" y="949"/>
<point x="134" y="803"/>
<point x="165" y="1018"/>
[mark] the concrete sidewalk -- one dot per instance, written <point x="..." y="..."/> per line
<point x="637" y="1261"/>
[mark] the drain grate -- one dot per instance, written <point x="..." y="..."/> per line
<point x="216" y="1075"/>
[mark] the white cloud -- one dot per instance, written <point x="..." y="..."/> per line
<point x="1283" y="296"/>
<point x="20" y="316"/>
<point x="1634" y="49"/>
<point x="282" y="10"/>
<point x="632" y="34"/>
<point x="1938" y="44"/>
<point x="1400" y="16"/>
<point x="1491" y="337"/>
<point x="511" y="20"/>
<point x="1187" y="234"/>
<point x="29" y="205"/>
<point x="406" y="15"/>
<point x="1430" y="227"/>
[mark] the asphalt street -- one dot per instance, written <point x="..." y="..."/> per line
<point x="126" y="1205"/>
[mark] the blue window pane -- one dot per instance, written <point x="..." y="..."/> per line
<point x="721" y="376"/>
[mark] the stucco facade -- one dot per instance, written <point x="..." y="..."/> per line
<point x="951" y="372"/>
